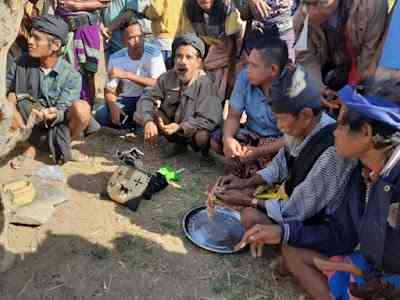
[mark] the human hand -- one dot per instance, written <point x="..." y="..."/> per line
<point x="231" y="182"/>
<point x="260" y="9"/>
<point x="116" y="113"/>
<point x="233" y="197"/>
<point x="232" y="147"/>
<point x="117" y="73"/>
<point x="39" y="115"/>
<point x="68" y="4"/>
<point x="106" y="32"/>
<point x="168" y="129"/>
<point x="49" y="114"/>
<point x="260" y="235"/>
<point x="249" y="154"/>
<point x="150" y="133"/>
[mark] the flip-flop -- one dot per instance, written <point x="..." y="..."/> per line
<point x="78" y="156"/>
<point x="19" y="161"/>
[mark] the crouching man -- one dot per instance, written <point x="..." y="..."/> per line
<point x="183" y="106"/>
<point x="314" y="176"/>
<point x="46" y="85"/>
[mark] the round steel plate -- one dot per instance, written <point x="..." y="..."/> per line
<point x="219" y="234"/>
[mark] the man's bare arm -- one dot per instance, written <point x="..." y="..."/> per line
<point x="232" y="123"/>
<point x="141" y="80"/>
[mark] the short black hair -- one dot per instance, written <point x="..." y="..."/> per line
<point x="274" y="50"/>
<point x="130" y="22"/>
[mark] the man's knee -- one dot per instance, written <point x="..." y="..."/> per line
<point x="252" y="216"/>
<point x="217" y="147"/>
<point x="202" y="138"/>
<point x="80" y="111"/>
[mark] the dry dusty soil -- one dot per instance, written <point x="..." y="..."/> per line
<point x="93" y="248"/>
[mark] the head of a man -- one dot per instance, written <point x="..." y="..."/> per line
<point x="133" y="36"/>
<point x="367" y="120"/>
<point x="320" y="11"/>
<point x="48" y="35"/>
<point x="266" y="61"/>
<point x="188" y="51"/>
<point x="206" y="5"/>
<point x="296" y="103"/>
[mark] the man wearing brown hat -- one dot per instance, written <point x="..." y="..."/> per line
<point x="46" y="85"/>
<point x="183" y="106"/>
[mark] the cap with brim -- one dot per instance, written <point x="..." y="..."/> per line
<point x="295" y="90"/>
<point x="375" y="108"/>
<point x="189" y="39"/>
<point x="52" y="25"/>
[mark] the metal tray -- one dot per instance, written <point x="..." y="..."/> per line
<point x="219" y="235"/>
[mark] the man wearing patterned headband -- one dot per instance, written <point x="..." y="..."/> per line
<point x="368" y="131"/>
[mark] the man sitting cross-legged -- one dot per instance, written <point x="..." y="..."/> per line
<point x="45" y="84"/>
<point x="134" y="68"/>
<point x="189" y="108"/>
<point x="253" y="146"/>
<point x="313" y="175"/>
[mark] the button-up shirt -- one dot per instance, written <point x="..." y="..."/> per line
<point x="251" y="99"/>
<point x="323" y="188"/>
<point x="59" y="87"/>
<point x="195" y="107"/>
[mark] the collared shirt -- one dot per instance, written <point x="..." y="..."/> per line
<point x="196" y="107"/>
<point x="58" y="88"/>
<point x="251" y="99"/>
<point x="323" y="187"/>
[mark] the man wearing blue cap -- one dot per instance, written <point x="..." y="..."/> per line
<point x="313" y="175"/>
<point x="368" y="131"/>
<point x="184" y="105"/>
<point x="45" y="84"/>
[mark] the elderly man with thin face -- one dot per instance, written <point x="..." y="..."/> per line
<point x="343" y="39"/>
<point x="183" y="106"/>
<point x="42" y="82"/>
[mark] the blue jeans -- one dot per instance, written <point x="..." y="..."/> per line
<point x="128" y="105"/>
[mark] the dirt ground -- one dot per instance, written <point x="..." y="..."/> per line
<point x="94" y="248"/>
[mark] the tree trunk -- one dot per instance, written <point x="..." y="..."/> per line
<point x="11" y="12"/>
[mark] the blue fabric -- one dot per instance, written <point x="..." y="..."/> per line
<point x="128" y="105"/>
<point x="250" y="99"/>
<point x="390" y="57"/>
<point x="333" y="233"/>
<point x="376" y="108"/>
<point x="339" y="283"/>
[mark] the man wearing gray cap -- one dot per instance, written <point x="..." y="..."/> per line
<point x="45" y="84"/>
<point x="184" y="105"/>
<point x="312" y="173"/>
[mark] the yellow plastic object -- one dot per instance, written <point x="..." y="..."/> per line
<point x="22" y="191"/>
<point x="276" y="192"/>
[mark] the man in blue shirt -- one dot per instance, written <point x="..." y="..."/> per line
<point x="256" y="143"/>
